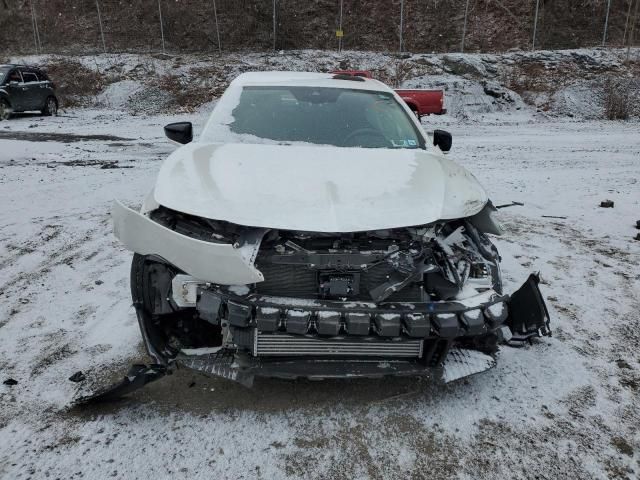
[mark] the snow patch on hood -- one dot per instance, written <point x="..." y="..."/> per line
<point x="319" y="188"/>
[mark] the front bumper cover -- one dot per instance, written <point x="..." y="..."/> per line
<point x="220" y="263"/>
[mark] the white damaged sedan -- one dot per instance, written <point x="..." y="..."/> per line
<point x="314" y="230"/>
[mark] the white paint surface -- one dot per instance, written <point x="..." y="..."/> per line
<point x="316" y="188"/>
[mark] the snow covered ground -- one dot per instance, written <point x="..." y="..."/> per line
<point x="565" y="407"/>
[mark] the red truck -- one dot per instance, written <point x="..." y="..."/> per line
<point x="421" y="101"/>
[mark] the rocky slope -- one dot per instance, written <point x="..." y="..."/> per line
<point x="575" y="83"/>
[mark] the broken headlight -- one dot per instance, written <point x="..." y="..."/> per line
<point x="469" y="264"/>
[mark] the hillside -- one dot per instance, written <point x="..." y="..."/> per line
<point x="190" y="25"/>
<point x="581" y="83"/>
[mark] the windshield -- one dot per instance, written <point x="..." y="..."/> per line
<point x="315" y="115"/>
<point x="3" y="73"/>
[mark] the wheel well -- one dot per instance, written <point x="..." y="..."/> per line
<point x="46" y="100"/>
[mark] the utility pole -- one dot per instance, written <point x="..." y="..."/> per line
<point x="464" y="27"/>
<point x="340" y="29"/>
<point x="215" y="15"/>
<point x="626" y="23"/>
<point x="633" y="29"/>
<point x="34" y="26"/>
<point x="274" y="25"/>
<point x="535" y="26"/>
<point x="104" y="45"/>
<point x="606" y="24"/>
<point x="401" y="22"/>
<point x="161" y="26"/>
<point x="35" y="20"/>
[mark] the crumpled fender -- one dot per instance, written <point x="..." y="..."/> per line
<point x="219" y="263"/>
<point x="485" y="220"/>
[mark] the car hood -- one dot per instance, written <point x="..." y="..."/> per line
<point x="316" y="188"/>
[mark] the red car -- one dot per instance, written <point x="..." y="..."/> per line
<point x="421" y="101"/>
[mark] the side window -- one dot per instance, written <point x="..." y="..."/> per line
<point x="15" y="76"/>
<point x="29" y="76"/>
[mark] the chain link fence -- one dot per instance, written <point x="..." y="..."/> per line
<point x="205" y="26"/>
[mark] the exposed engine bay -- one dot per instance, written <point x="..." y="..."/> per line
<point x="441" y="261"/>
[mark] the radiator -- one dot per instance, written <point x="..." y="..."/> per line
<point x="280" y="344"/>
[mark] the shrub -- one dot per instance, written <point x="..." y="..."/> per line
<point x="617" y="97"/>
<point x="75" y="83"/>
<point x="190" y="91"/>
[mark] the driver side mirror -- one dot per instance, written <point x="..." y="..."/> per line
<point x="181" y="132"/>
<point x="13" y="83"/>
<point x="442" y="139"/>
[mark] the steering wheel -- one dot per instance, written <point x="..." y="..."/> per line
<point x="379" y="140"/>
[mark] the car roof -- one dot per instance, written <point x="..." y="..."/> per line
<point x="17" y="65"/>
<point x="308" y="79"/>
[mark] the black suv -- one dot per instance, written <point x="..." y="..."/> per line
<point x="25" y="88"/>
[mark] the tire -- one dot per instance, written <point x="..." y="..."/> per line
<point x="5" y="110"/>
<point x="151" y="284"/>
<point x="165" y="328"/>
<point x="50" y="107"/>
<point x="142" y="295"/>
<point x="137" y="275"/>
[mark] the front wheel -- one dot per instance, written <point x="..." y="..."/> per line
<point x="166" y="328"/>
<point x="50" y="107"/>
<point x="5" y="110"/>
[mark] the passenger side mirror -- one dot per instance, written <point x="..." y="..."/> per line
<point x="442" y="139"/>
<point x="181" y="132"/>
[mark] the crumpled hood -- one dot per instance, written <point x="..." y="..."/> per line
<point x="316" y="188"/>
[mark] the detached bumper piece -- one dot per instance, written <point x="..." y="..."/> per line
<point x="459" y="363"/>
<point x="528" y="314"/>
<point x="137" y="377"/>
<point x="463" y="363"/>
